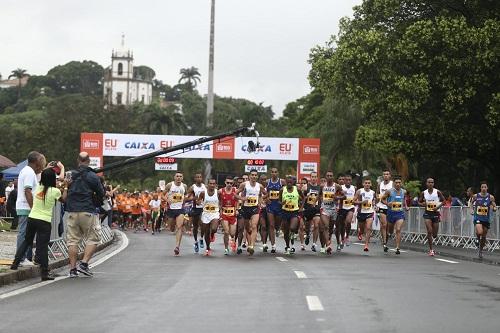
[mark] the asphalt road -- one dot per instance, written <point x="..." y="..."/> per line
<point x="146" y="289"/>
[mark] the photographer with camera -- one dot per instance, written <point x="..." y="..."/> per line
<point x="85" y="195"/>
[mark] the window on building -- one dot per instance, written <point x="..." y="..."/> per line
<point x="142" y="99"/>
<point x="120" y="68"/>
<point x="119" y="98"/>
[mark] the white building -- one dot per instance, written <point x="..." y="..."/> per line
<point x="125" y="84"/>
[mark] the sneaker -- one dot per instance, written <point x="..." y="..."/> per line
<point x="397" y="251"/>
<point x="302" y="247"/>
<point x="313" y="247"/>
<point x="196" y="247"/>
<point x="264" y="248"/>
<point x="84" y="269"/>
<point x="287" y="250"/>
<point x="292" y="250"/>
<point x="152" y="232"/>
<point x="48" y="277"/>
<point x="307" y="239"/>
<point x="201" y="243"/>
<point x="342" y="245"/>
<point x="244" y="245"/>
<point x="26" y="263"/>
<point x="226" y="252"/>
<point x="360" y="237"/>
<point x="208" y="253"/>
<point x="273" y="249"/>
<point x="322" y="250"/>
<point x="176" y="251"/>
<point x="386" y="249"/>
<point x="73" y="273"/>
<point x="329" y="250"/>
<point x="239" y="251"/>
<point x="14" y="266"/>
<point x="431" y="253"/>
<point x="339" y="248"/>
<point x="250" y="250"/>
<point x="366" y="249"/>
<point x="347" y="242"/>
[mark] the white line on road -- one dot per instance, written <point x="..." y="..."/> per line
<point x="314" y="303"/>
<point x="44" y="283"/>
<point x="281" y="259"/>
<point x="300" y="274"/>
<point x="448" y="261"/>
<point x="394" y="250"/>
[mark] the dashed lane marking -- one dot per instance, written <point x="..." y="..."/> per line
<point x="281" y="259"/>
<point x="448" y="261"/>
<point x="314" y="304"/>
<point x="300" y="274"/>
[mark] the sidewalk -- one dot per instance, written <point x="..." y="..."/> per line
<point x="8" y="244"/>
<point x="491" y="258"/>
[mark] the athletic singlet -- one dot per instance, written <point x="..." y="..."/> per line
<point x="328" y="199"/>
<point x="252" y="194"/>
<point x="312" y="193"/>
<point x="349" y="192"/>
<point x="229" y="202"/>
<point x="211" y="203"/>
<point x="176" y="195"/>
<point x="383" y="188"/>
<point x="197" y="190"/>
<point x="431" y="200"/>
<point x="367" y="207"/>
<point x="397" y="200"/>
<point x="482" y="208"/>
<point x="273" y="190"/>
<point x="290" y="199"/>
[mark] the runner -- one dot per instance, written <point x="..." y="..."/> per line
<point x="210" y="215"/>
<point x="240" y="221"/>
<point x="193" y="194"/>
<point x="136" y="211"/>
<point x="383" y="187"/>
<point x="145" y="209"/>
<point x="263" y="220"/>
<point x="251" y="192"/>
<point x="154" y="206"/>
<point x="395" y="201"/>
<point x="176" y="192"/>
<point x="329" y="198"/>
<point x="273" y="208"/>
<point x="229" y="203"/>
<point x="432" y="199"/>
<point x="365" y="197"/>
<point x="311" y="206"/>
<point x="290" y="197"/>
<point x="346" y="212"/>
<point x="483" y="203"/>
<point x="127" y="211"/>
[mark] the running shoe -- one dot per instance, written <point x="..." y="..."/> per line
<point x="201" y="244"/>
<point x="302" y="247"/>
<point x="264" y="248"/>
<point x="431" y="253"/>
<point x="273" y="249"/>
<point x="287" y="250"/>
<point x="307" y="239"/>
<point x="196" y="247"/>
<point x="152" y="232"/>
<point x="342" y="245"/>
<point x="292" y="250"/>
<point x="73" y="273"/>
<point x="239" y="251"/>
<point x="329" y="250"/>
<point x="322" y="250"/>
<point x="366" y="249"/>
<point x="226" y="252"/>
<point x="251" y="250"/>
<point x="208" y="253"/>
<point x="244" y="245"/>
<point x="386" y="249"/>
<point x="292" y="238"/>
<point x="84" y="269"/>
<point x="339" y="248"/>
<point x="347" y="242"/>
<point x="176" y="251"/>
<point x="397" y="251"/>
<point x="313" y="247"/>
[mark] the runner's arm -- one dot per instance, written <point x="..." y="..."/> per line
<point x="384" y="198"/>
<point x="441" y="200"/>
<point x="421" y="200"/>
<point x="240" y="190"/>
<point x="357" y="198"/>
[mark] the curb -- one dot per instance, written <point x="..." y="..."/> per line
<point x="24" y="273"/>
<point x="443" y="253"/>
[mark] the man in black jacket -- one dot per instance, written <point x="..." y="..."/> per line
<point x="85" y="195"/>
<point x="11" y="206"/>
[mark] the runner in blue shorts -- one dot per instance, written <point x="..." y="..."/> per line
<point x="483" y="203"/>
<point x="395" y="201"/>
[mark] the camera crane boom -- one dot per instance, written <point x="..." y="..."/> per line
<point x="252" y="146"/>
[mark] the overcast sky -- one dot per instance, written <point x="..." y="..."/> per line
<point x="261" y="46"/>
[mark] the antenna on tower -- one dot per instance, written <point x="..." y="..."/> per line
<point x="123" y="40"/>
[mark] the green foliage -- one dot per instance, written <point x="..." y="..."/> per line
<point x="413" y="187"/>
<point x="82" y="77"/>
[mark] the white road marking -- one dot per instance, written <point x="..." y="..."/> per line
<point x="394" y="250"/>
<point x="281" y="259"/>
<point x="448" y="261"/>
<point x="314" y="303"/>
<point x="122" y="247"/>
<point x="300" y="274"/>
<point x="362" y="244"/>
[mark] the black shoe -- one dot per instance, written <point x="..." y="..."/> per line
<point x="73" y="273"/>
<point x="307" y="239"/>
<point x="386" y="248"/>
<point x="84" y="269"/>
<point x="397" y="251"/>
<point x="48" y="276"/>
<point x="14" y="266"/>
<point x="239" y="251"/>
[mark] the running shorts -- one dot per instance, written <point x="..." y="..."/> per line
<point x="173" y="213"/>
<point x="195" y="212"/>
<point x="343" y="212"/>
<point x="287" y="216"/>
<point x="206" y="218"/>
<point x="382" y="211"/>
<point x="330" y="212"/>
<point x="483" y="223"/>
<point x="274" y="208"/>
<point x="248" y="212"/>
<point x="393" y="217"/>
<point x="362" y="217"/>
<point x="435" y="217"/>
<point x="311" y="212"/>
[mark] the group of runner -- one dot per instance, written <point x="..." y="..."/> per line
<point x="317" y="208"/>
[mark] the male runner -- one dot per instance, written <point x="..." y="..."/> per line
<point x="290" y="198"/>
<point x="312" y="214"/>
<point x="176" y="195"/>
<point x="432" y="199"/>
<point x="210" y="215"/>
<point x="193" y="193"/>
<point x="365" y="197"/>
<point x="263" y="221"/>
<point x="273" y="208"/>
<point x="146" y="211"/>
<point x="483" y="203"/>
<point x="154" y="206"/>
<point x="329" y="198"/>
<point x="395" y="201"/>
<point x="229" y="203"/>
<point x="346" y="212"/>
<point x="240" y="221"/>
<point x="251" y="192"/>
<point x="383" y="187"/>
<point x="136" y="211"/>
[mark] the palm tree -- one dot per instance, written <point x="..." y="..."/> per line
<point x="19" y="74"/>
<point x="165" y="120"/>
<point x="190" y="76"/>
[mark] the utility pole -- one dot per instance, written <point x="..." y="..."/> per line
<point x="210" y="96"/>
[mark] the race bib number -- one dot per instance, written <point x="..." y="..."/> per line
<point x="431" y="206"/>
<point x="397" y="206"/>
<point x="228" y="211"/>
<point x="348" y="202"/>
<point x="366" y="205"/>
<point x="251" y="201"/>
<point x="274" y="195"/>
<point x="311" y="199"/>
<point x="210" y="208"/>
<point x="328" y="197"/>
<point x="289" y="206"/>
<point x="177" y="197"/>
<point x="482" y="210"/>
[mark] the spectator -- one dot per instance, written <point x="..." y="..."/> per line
<point x="11" y="206"/>
<point x="456" y="202"/>
<point x="9" y="189"/>
<point x="39" y="220"/>
<point x="85" y="195"/>
<point x="468" y="196"/>
<point x="3" y="185"/>
<point x="27" y="182"/>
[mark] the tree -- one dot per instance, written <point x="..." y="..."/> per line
<point x="164" y="120"/>
<point x="19" y="74"/>
<point x="425" y="74"/>
<point x="84" y="77"/>
<point x="190" y="76"/>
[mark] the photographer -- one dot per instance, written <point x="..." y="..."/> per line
<point x="85" y="195"/>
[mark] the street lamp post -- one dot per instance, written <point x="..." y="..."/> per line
<point x="210" y="96"/>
